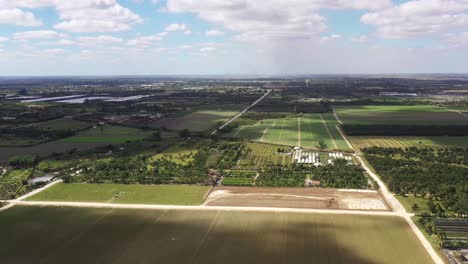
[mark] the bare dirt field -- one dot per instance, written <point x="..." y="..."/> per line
<point x="311" y="198"/>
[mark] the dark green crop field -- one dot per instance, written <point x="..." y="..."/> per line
<point x="86" y="235"/>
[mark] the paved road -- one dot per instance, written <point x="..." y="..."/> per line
<point x="241" y="113"/>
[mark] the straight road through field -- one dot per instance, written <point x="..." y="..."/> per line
<point x="241" y="113"/>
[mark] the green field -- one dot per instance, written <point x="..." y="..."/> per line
<point x="92" y="235"/>
<point x="406" y="142"/>
<point x="261" y="154"/>
<point x="399" y="115"/>
<point x="304" y="131"/>
<point x="409" y="200"/>
<point x="109" y="134"/>
<point x="197" y="121"/>
<point x="64" y="124"/>
<point x="124" y="194"/>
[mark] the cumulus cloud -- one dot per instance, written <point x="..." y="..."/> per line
<point x="76" y="16"/>
<point x="18" y="17"/>
<point x="3" y="39"/>
<point x="37" y="34"/>
<point x="146" y="41"/>
<point x="214" y="33"/>
<point x="418" y="18"/>
<point x="99" y="40"/>
<point x="330" y="38"/>
<point x="176" y="27"/>
<point x="269" y="19"/>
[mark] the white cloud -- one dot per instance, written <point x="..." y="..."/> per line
<point x="185" y="47"/>
<point x="37" y="34"/>
<point x="207" y="49"/>
<point x="188" y="32"/>
<point x="15" y="16"/>
<point x="3" y="39"/>
<point x="330" y="38"/>
<point x="418" y="18"/>
<point x="256" y="20"/>
<point x="54" y="51"/>
<point x="99" y="40"/>
<point x="176" y="27"/>
<point x="76" y="16"/>
<point x="145" y="41"/>
<point x="457" y="40"/>
<point x="214" y="33"/>
<point x="360" y="39"/>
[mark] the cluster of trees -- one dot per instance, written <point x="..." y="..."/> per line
<point x="337" y="175"/>
<point x="445" y="182"/>
<point x="193" y="168"/>
<point x="445" y="155"/>
<point x="32" y="132"/>
<point x="141" y="169"/>
<point x="23" y="161"/>
<point x="405" y="130"/>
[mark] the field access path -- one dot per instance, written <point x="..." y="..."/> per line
<point x="395" y="205"/>
<point x="241" y="113"/>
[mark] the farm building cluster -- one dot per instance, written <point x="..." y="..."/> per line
<point x="301" y="156"/>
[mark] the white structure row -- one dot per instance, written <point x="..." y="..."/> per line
<point x="306" y="157"/>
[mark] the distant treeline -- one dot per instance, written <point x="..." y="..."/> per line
<point x="279" y="106"/>
<point x="382" y="102"/>
<point x="406" y="130"/>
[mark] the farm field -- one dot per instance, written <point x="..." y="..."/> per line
<point x="304" y="131"/>
<point x="422" y="203"/>
<point x="406" y="142"/>
<point x="198" y="121"/>
<point x="48" y="148"/>
<point x="399" y="115"/>
<point x="262" y="154"/>
<point x="85" y="235"/>
<point x="124" y="194"/>
<point x="108" y="134"/>
<point x="64" y="124"/>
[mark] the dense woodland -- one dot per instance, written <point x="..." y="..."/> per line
<point x="420" y="173"/>
<point x="337" y="175"/>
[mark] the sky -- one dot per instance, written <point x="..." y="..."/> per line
<point x="230" y="37"/>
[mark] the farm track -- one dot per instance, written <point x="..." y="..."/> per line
<point x="328" y="132"/>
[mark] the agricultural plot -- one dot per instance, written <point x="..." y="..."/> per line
<point x="262" y="154"/>
<point x="12" y="182"/>
<point x="198" y="121"/>
<point x="48" y="148"/>
<point x="238" y="178"/>
<point x="179" y="155"/>
<point x="64" y="124"/>
<point x="406" y="142"/>
<point x="124" y="194"/>
<point x="305" y="131"/>
<point x="88" y="235"/>
<point x="109" y="134"/>
<point x="399" y="115"/>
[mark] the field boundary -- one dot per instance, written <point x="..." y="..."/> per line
<point x="206" y="208"/>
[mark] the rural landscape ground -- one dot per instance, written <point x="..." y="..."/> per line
<point x="248" y="170"/>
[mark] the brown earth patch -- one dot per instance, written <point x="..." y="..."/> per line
<point x="311" y="198"/>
